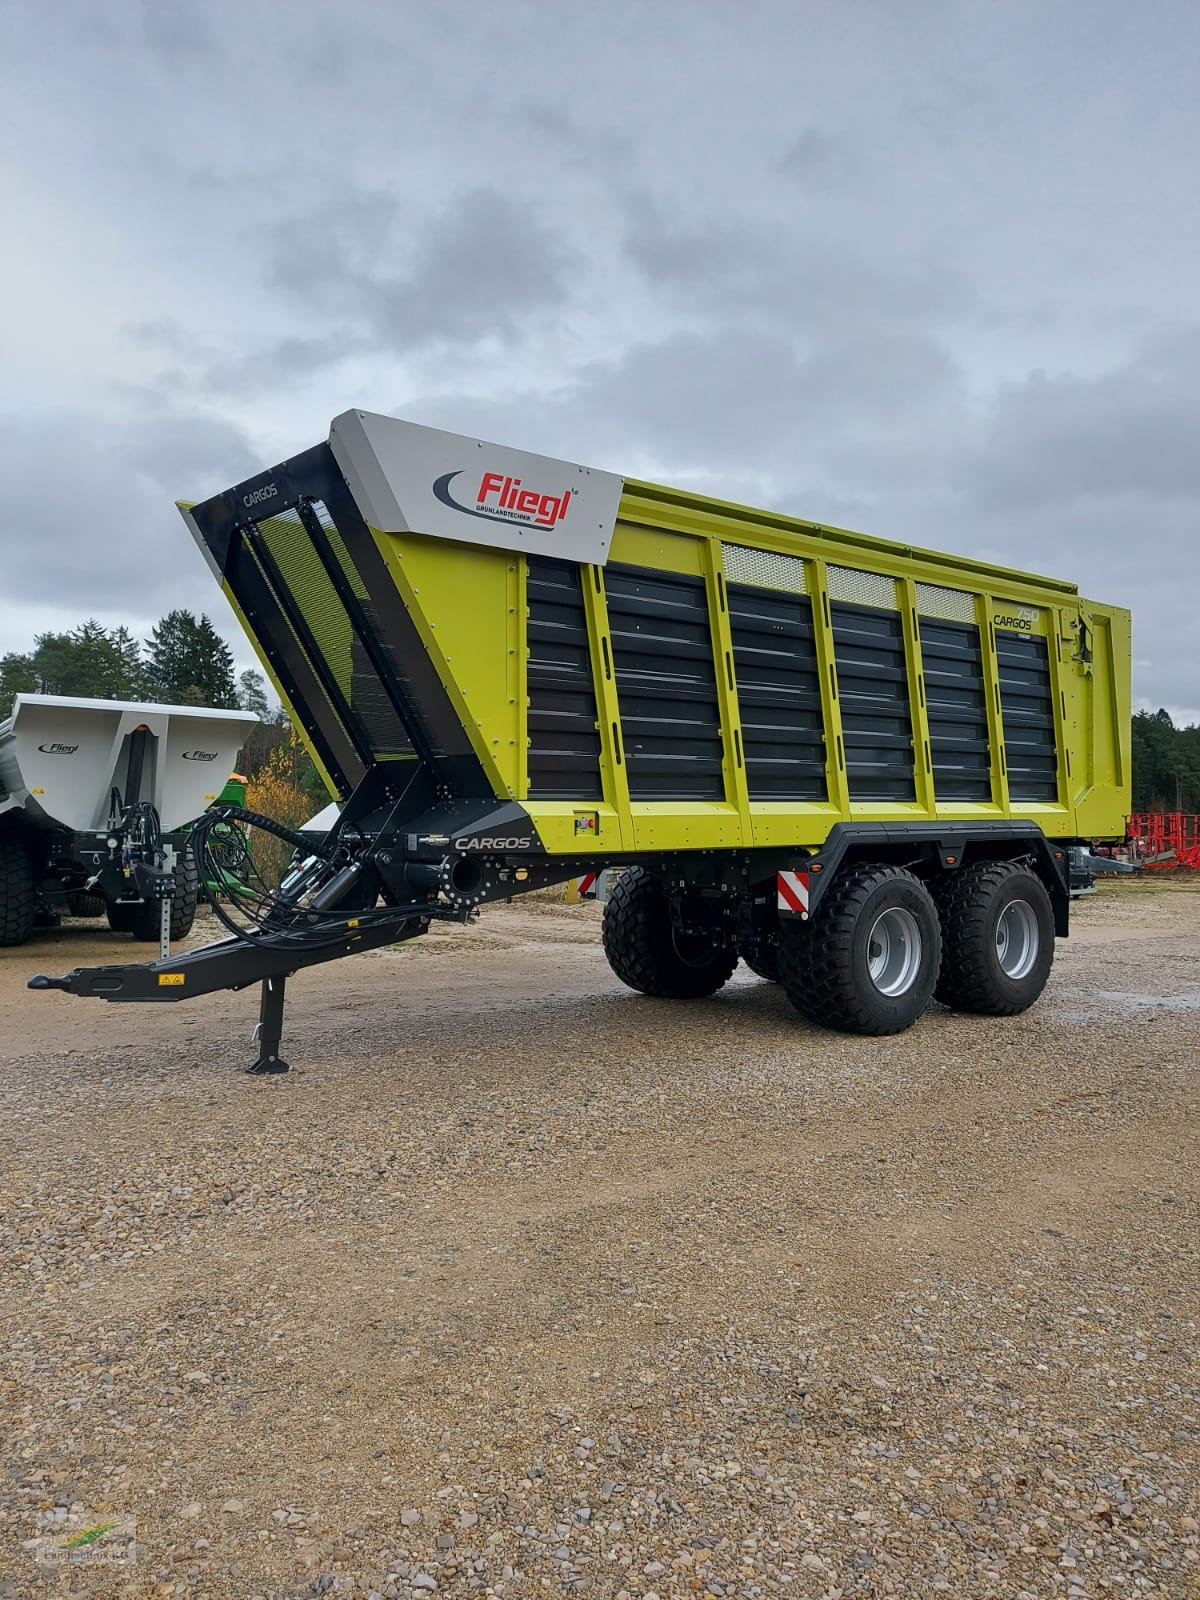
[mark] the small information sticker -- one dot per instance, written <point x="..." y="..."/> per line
<point x="168" y="980"/>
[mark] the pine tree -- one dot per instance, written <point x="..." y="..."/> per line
<point x="189" y="663"/>
<point x="131" y="669"/>
<point x="17" y="676"/>
<point x="252" y="694"/>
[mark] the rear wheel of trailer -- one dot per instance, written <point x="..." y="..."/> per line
<point x="997" y="938"/>
<point x="18" y="896"/>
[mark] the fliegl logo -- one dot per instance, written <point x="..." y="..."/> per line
<point x="58" y="749"/>
<point x="500" y="498"/>
<point x="199" y="755"/>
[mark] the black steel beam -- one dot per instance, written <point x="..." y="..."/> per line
<point x="236" y="963"/>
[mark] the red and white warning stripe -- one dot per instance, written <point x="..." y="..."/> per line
<point x="587" y="884"/>
<point x="791" y="893"/>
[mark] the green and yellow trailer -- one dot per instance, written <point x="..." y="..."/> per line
<point x="856" y="765"/>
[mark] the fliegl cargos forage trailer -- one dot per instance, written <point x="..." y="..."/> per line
<point x="855" y="765"/>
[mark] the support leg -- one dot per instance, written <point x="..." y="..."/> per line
<point x="270" y="1029"/>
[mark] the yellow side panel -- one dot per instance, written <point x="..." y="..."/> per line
<point x="656" y="549"/>
<point x="686" y="825"/>
<point x="584" y="828"/>
<point x="465" y="602"/>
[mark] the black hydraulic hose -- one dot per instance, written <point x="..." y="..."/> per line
<point x="273" y="920"/>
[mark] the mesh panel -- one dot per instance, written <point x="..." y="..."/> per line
<point x="269" y="628"/>
<point x="861" y="588"/>
<point x="368" y="694"/>
<point x="764" y="569"/>
<point x="300" y="566"/>
<point x="338" y="545"/>
<point x="954" y="605"/>
<point x="341" y="649"/>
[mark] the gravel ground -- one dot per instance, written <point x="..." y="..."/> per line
<point x="522" y="1284"/>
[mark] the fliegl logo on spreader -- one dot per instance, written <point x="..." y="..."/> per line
<point x="501" y="498"/>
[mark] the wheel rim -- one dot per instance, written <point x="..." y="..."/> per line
<point x="1018" y="939"/>
<point x="894" y="948"/>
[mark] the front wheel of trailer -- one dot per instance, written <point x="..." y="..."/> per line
<point x="646" y="950"/>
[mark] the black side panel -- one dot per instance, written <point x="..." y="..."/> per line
<point x="873" y="690"/>
<point x="1027" y="702"/>
<point x="957" y="708"/>
<point x="564" y="745"/>
<point x="779" y="693"/>
<point x="663" y="660"/>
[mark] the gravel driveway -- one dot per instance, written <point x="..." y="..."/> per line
<point x="522" y="1284"/>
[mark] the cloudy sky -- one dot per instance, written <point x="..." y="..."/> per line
<point x="929" y="270"/>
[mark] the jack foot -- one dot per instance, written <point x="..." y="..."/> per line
<point x="268" y="1066"/>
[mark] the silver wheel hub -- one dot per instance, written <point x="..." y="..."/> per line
<point x="894" y="949"/>
<point x="1018" y="939"/>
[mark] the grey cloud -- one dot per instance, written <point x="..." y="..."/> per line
<point x="473" y="270"/>
<point x="93" y="500"/>
<point x="478" y="269"/>
<point x="372" y="278"/>
<point x="180" y="35"/>
<point x="825" y="162"/>
<point x="602" y="151"/>
<point x="790" y="276"/>
<point x="1056" y="439"/>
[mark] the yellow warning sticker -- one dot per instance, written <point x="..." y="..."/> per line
<point x="352" y="922"/>
<point x="167" y="980"/>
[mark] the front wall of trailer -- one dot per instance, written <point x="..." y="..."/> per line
<point x="720" y="683"/>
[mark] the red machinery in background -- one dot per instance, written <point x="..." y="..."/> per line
<point x="1166" y="838"/>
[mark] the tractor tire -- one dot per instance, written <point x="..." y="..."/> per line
<point x="997" y="938"/>
<point x="82" y="904"/>
<point x="762" y="957"/>
<point x="142" y="917"/>
<point x="868" y="961"/>
<point x="18" y="895"/>
<point x="647" y="953"/>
